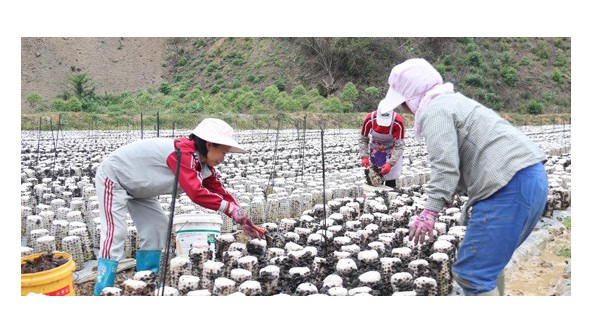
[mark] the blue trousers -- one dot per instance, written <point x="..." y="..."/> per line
<point x="498" y="225"/>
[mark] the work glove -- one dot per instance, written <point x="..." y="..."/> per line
<point x="365" y="162"/>
<point x="384" y="169"/>
<point x="240" y="216"/>
<point x="424" y="223"/>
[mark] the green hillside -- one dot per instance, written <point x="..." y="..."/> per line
<point x="253" y="82"/>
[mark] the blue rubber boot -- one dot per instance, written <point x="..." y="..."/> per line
<point x="148" y="260"/>
<point x="106" y="271"/>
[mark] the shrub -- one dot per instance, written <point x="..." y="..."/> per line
<point x="214" y="89"/>
<point x="334" y="105"/>
<point x="304" y="100"/>
<point x="271" y="93"/>
<point x="350" y="92"/>
<point x="313" y="93"/>
<point x="211" y="68"/>
<point x="372" y="91"/>
<point x="280" y="84"/>
<point x="178" y="89"/>
<point x="549" y="97"/>
<point x="559" y="43"/>
<point x="257" y="107"/>
<point x="165" y="88"/>
<point x="534" y="107"/>
<point x="251" y="78"/>
<point x="233" y="56"/>
<point x="182" y="61"/>
<point x="474" y="79"/>
<point x="321" y="89"/>
<point x="193" y="95"/>
<point x="507" y="58"/>
<point x="509" y="76"/>
<point x="557" y="76"/>
<point x="73" y="104"/>
<point x="168" y="102"/>
<point x="479" y="95"/>
<point x="239" y="62"/>
<point x="493" y="101"/>
<point x="129" y="103"/>
<point x="298" y="91"/>
<point x="312" y="108"/>
<point x="214" y="104"/>
<point x="144" y="98"/>
<point x="114" y="109"/>
<point x="474" y="58"/>
<point x="561" y="61"/>
<point x="197" y="106"/>
<point x="287" y="103"/>
<point x="34" y="99"/>
<point x="199" y="43"/>
<point x="542" y="52"/>
<point x="471" y="47"/>
<point x="442" y="68"/>
<point x="240" y="99"/>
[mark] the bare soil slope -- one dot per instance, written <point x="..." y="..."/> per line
<point x="116" y="64"/>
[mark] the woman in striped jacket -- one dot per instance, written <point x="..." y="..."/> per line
<point x="475" y="152"/>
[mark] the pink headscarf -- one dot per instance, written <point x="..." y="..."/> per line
<point x="416" y="82"/>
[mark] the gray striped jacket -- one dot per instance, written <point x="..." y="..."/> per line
<point x="472" y="150"/>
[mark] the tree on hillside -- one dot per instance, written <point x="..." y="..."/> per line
<point x="346" y="59"/>
<point x="325" y="58"/>
<point x="81" y="85"/>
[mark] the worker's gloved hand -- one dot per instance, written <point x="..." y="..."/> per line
<point x="365" y="162"/>
<point x="384" y="169"/>
<point x="240" y="216"/>
<point x="424" y="223"/>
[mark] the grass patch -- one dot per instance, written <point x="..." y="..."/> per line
<point x="562" y="251"/>
<point x="567" y="222"/>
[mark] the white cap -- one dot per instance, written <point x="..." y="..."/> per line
<point x="384" y="114"/>
<point x="218" y="131"/>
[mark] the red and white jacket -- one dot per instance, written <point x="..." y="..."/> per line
<point x="146" y="168"/>
<point x="200" y="182"/>
<point x="397" y="129"/>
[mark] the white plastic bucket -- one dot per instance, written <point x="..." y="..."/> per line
<point x="197" y="230"/>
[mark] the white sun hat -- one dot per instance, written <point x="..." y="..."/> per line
<point x="218" y="131"/>
<point x="384" y="114"/>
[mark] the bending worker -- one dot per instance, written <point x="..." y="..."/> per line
<point x="381" y="143"/>
<point x="131" y="178"/>
<point x="474" y="151"/>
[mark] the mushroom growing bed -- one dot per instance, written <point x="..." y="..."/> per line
<point x="355" y="244"/>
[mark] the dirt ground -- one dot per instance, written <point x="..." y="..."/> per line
<point x="116" y="64"/>
<point x="543" y="274"/>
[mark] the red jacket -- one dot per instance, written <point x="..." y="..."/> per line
<point x="398" y="126"/>
<point x="207" y="192"/>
